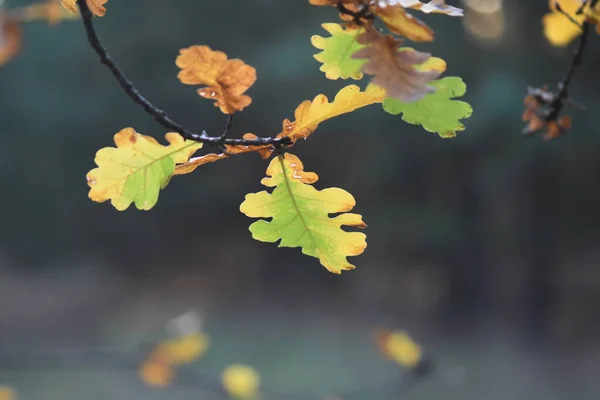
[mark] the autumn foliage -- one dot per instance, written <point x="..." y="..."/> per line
<point x="404" y="80"/>
<point x="369" y="41"/>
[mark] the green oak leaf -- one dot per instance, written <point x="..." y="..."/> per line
<point x="337" y="52"/>
<point x="137" y="169"/>
<point x="436" y="112"/>
<point x="299" y="215"/>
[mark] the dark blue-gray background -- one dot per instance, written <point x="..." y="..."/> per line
<point x="485" y="247"/>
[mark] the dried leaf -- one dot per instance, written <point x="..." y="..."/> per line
<point x="137" y="169"/>
<point x="7" y="393"/>
<point x="300" y="215"/>
<point x="395" y="70"/>
<point x="226" y="80"/>
<point x="96" y="6"/>
<point x="10" y="39"/>
<point x="49" y="10"/>
<point x="156" y="374"/>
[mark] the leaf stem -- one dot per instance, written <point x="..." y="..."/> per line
<point x="159" y="115"/>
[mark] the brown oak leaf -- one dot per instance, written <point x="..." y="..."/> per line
<point x="394" y="70"/>
<point x="96" y="6"/>
<point x="225" y="80"/>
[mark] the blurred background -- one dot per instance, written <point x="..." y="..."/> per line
<point x="484" y="247"/>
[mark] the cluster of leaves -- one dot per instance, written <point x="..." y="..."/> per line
<point x="188" y="344"/>
<point x="243" y="382"/>
<point x="169" y="360"/>
<point x="404" y="80"/>
<point x="11" y="21"/>
<point x="567" y="21"/>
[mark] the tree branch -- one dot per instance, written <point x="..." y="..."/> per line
<point x="159" y="115"/>
<point x="550" y="104"/>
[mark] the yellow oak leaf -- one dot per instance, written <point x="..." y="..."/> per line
<point x="310" y="114"/>
<point x="558" y="28"/>
<point x="299" y="215"/>
<point x="10" y="39"/>
<point x="137" y="169"/>
<point x="241" y="381"/>
<point x="394" y="70"/>
<point x="226" y="80"/>
<point x="96" y="6"/>
<point x="399" y="347"/>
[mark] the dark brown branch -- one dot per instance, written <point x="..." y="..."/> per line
<point x="358" y="16"/>
<point x="159" y="115"/>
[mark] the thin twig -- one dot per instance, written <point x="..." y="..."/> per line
<point x="553" y="103"/>
<point x="228" y="126"/>
<point x="159" y="115"/>
<point x="358" y="16"/>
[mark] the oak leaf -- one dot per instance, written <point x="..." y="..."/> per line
<point x="49" y="10"/>
<point x="535" y="116"/>
<point x="558" y="28"/>
<point x="436" y="112"/>
<point x="394" y="70"/>
<point x="137" y="169"/>
<point x="337" y="51"/>
<point x="309" y="114"/>
<point x="400" y="22"/>
<point x="226" y="80"/>
<point x="299" y="215"/>
<point x="10" y="39"/>
<point x="96" y="6"/>
<point x="399" y="347"/>
<point x="7" y="393"/>
<point x="241" y="381"/>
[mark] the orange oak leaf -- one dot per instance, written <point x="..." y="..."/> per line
<point x="394" y="70"/>
<point x="49" y="10"/>
<point x="225" y="80"/>
<point x="96" y="6"/>
<point x="400" y="22"/>
<point x="533" y="115"/>
<point x="10" y="39"/>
